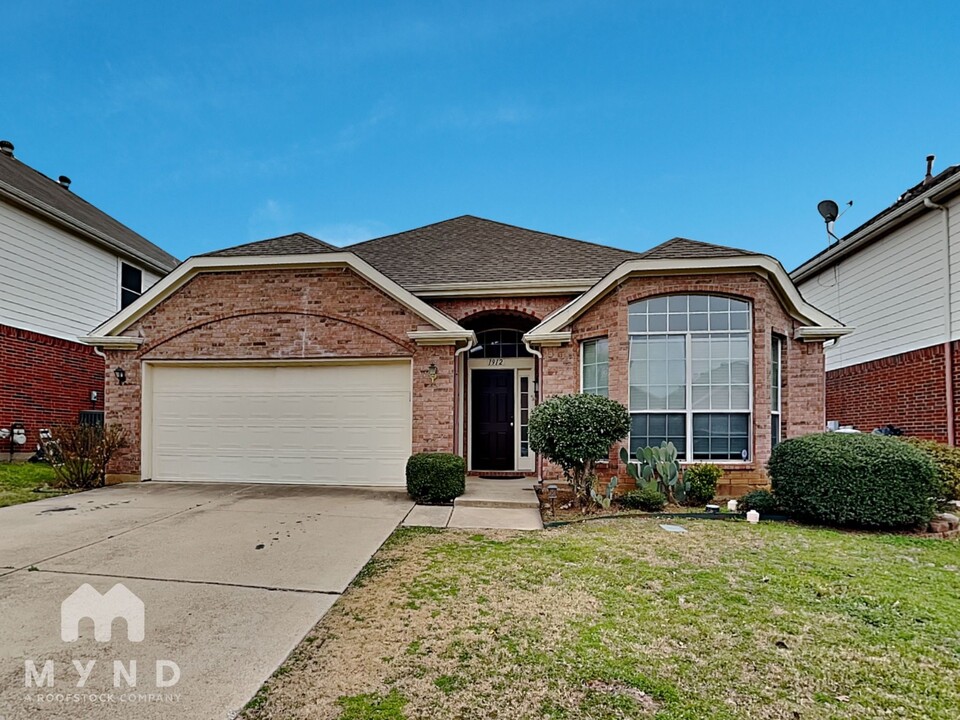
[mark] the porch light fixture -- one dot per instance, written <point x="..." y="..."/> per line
<point x="121" y="375"/>
<point x="432" y="373"/>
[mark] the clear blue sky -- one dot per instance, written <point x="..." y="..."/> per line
<point x="208" y="124"/>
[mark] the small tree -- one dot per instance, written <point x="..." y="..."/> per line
<point x="575" y="431"/>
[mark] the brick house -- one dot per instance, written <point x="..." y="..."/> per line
<point x="289" y="360"/>
<point x="65" y="266"/>
<point x="892" y="279"/>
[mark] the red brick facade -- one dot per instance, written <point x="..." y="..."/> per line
<point x="282" y="315"/>
<point x="906" y="390"/>
<point x="311" y="314"/>
<point x="802" y="383"/>
<point x="45" y="382"/>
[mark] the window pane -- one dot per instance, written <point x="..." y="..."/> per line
<point x="127" y="297"/>
<point x="677" y="303"/>
<point x="651" y="430"/>
<point x="589" y="377"/>
<point x="637" y="323"/>
<point x="657" y="305"/>
<point x="589" y="353"/>
<point x="657" y="323"/>
<point x="698" y="303"/>
<point x="721" y="436"/>
<point x="603" y="351"/>
<point x="131" y="278"/>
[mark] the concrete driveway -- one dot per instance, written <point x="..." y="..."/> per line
<point x="231" y="579"/>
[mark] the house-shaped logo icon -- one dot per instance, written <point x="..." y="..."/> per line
<point x="86" y="602"/>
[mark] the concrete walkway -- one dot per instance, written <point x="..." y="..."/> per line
<point x="486" y="505"/>
<point x="231" y="579"/>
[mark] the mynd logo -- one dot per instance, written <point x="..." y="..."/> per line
<point x="86" y="603"/>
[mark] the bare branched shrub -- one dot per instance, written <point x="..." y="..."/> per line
<point x="82" y="453"/>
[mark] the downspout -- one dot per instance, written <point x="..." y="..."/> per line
<point x="947" y="320"/>
<point x="536" y="384"/>
<point x="458" y="396"/>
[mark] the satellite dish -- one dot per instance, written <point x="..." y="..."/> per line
<point x="829" y="210"/>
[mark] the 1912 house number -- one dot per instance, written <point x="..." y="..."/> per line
<point x="494" y="361"/>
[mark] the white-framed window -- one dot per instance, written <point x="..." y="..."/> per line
<point x="595" y="367"/>
<point x="131" y="284"/>
<point x="691" y="375"/>
<point x="776" y="388"/>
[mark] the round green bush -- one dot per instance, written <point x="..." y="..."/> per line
<point x="436" y="477"/>
<point x="854" y="480"/>
<point x="701" y="482"/>
<point x="575" y="431"/>
<point x="648" y="499"/>
<point x="947" y="460"/>
<point x="760" y="500"/>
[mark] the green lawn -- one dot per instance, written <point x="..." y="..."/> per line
<point x="619" y="619"/>
<point x="19" y="480"/>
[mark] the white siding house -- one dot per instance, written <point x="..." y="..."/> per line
<point x="896" y="281"/>
<point x="61" y="259"/>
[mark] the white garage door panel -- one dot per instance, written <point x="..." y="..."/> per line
<point x="324" y="424"/>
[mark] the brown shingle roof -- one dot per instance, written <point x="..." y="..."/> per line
<point x="42" y="191"/>
<point x="293" y="244"/>
<point x="680" y="248"/>
<point x="469" y="249"/>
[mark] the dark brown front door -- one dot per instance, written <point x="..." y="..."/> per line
<point x="492" y="420"/>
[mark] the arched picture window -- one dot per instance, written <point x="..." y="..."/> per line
<point x="499" y="343"/>
<point x="691" y="375"/>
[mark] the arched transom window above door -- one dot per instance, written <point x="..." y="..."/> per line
<point x="690" y="375"/>
<point x="499" y="343"/>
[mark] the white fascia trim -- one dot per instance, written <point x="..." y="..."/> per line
<point x="821" y="334"/>
<point x="89" y="233"/>
<point x="543" y="339"/>
<point x="849" y="245"/>
<point x="503" y="288"/>
<point x="442" y="337"/>
<point x="114" y="342"/>
<point x="211" y="264"/>
<point x="799" y="308"/>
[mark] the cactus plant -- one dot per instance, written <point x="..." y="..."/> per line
<point x="604" y="499"/>
<point x="657" y="467"/>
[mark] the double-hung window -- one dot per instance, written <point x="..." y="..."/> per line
<point x="690" y="375"/>
<point x="131" y="284"/>
<point x="595" y="367"/>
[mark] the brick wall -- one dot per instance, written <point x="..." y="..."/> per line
<point x="282" y="315"/>
<point x="45" y="382"/>
<point x="803" y="378"/>
<point x="535" y="308"/>
<point x="906" y="390"/>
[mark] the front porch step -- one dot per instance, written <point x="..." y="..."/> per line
<point x="483" y="492"/>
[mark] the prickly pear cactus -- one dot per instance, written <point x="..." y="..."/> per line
<point x="657" y="467"/>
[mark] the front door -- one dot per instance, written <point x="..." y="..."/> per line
<point x="492" y="419"/>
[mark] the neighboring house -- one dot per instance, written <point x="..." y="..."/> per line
<point x="892" y="279"/>
<point x="65" y="267"/>
<point x="289" y="360"/>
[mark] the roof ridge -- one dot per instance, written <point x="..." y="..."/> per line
<point x="701" y="243"/>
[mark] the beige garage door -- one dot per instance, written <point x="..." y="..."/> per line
<point x="321" y="424"/>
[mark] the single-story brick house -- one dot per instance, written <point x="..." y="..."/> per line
<point x="289" y="360"/>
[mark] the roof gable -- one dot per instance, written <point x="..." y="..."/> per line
<point x="294" y="244"/>
<point x="679" y="247"/>
<point x="472" y="250"/>
<point x="22" y="184"/>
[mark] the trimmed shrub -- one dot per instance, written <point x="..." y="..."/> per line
<point x="648" y="499"/>
<point x="701" y="482"/>
<point x="760" y="500"/>
<point x="575" y="431"/>
<point x="856" y="480"/>
<point x="947" y="460"/>
<point x="436" y="477"/>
